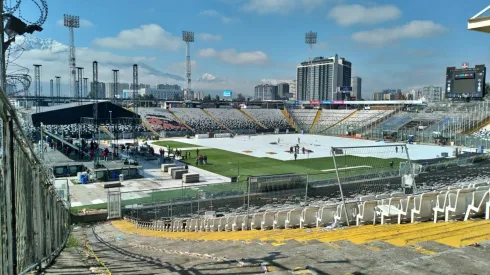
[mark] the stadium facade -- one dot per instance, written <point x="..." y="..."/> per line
<point x="323" y="78"/>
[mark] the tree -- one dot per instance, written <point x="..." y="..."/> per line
<point x="207" y="98"/>
<point x="91" y="94"/>
<point x="217" y="97"/>
<point x="240" y="97"/>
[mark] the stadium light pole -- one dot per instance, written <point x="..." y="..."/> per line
<point x="310" y="39"/>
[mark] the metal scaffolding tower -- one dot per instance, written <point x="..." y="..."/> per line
<point x="85" y="87"/>
<point x="188" y="37"/>
<point x="58" y="89"/>
<point x="79" y="85"/>
<point x="115" y="93"/>
<point x="72" y="22"/>
<point x="95" y="80"/>
<point x="135" y="104"/>
<point x="51" y="91"/>
<point x="37" y="87"/>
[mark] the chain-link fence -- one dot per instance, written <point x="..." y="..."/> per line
<point x="34" y="219"/>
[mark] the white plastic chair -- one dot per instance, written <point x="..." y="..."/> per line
<point x="326" y="214"/>
<point x="441" y="203"/>
<point x="479" y="204"/>
<point x="340" y="217"/>
<point x="268" y="220"/>
<point x="229" y="222"/>
<point x="406" y="206"/>
<point x="423" y="205"/>
<point x="280" y="219"/>
<point x="256" y="220"/>
<point x="293" y="218"/>
<point x="458" y="203"/>
<point x="308" y="216"/>
<point x="366" y="212"/>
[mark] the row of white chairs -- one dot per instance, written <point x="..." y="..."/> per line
<point x="463" y="203"/>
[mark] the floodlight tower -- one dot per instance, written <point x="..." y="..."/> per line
<point x="72" y="22"/>
<point x="310" y="39"/>
<point x="80" y="85"/>
<point x="114" y="89"/>
<point x="58" y="89"/>
<point x="37" y="86"/>
<point x="188" y="37"/>
<point x="135" y="106"/>
<point x="95" y="89"/>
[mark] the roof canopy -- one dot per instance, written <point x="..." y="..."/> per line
<point x="72" y="113"/>
<point x="480" y="23"/>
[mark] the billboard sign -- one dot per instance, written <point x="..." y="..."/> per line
<point x="326" y="102"/>
<point x="317" y="102"/>
<point x="346" y="89"/>
<point x="297" y="102"/>
<point x="227" y="93"/>
<point x="338" y="102"/>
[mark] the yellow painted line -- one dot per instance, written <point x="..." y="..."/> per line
<point x="466" y="238"/>
<point x="424" y="251"/>
<point x="452" y="233"/>
<point x="453" y="229"/>
<point x="334" y="245"/>
<point x="89" y="248"/>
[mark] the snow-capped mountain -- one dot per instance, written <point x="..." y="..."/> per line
<point x="212" y="79"/>
<point x="35" y="43"/>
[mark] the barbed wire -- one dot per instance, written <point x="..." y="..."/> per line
<point x="18" y="78"/>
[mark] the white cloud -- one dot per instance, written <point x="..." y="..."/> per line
<point x="231" y="56"/>
<point x="209" y="37"/>
<point x="179" y="67"/>
<point x="146" y="36"/>
<point x="213" y="13"/>
<point x="280" y="6"/>
<point x="84" y="23"/>
<point x="347" y="15"/>
<point x="414" y="29"/>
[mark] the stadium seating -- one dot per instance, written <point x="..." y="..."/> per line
<point x="328" y="118"/>
<point x="460" y="202"/>
<point x="303" y="118"/>
<point x="232" y="119"/>
<point x="197" y="119"/>
<point x="365" y="118"/>
<point x="270" y="118"/>
<point x="160" y="119"/>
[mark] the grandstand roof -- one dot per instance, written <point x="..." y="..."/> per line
<point x="72" y="112"/>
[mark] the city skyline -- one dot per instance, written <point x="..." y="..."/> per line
<point x="408" y="46"/>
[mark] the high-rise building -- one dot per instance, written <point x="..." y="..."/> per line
<point x="432" y="93"/>
<point x="356" y="84"/>
<point x="283" y="90"/>
<point x="322" y="78"/>
<point x="265" y="92"/>
<point x="101" y="90"/>
<point x="292" y="89"/>
<point x="109" y="89"/>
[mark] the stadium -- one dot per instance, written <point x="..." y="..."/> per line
<point x="110" y="185"/>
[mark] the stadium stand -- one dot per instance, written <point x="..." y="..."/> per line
<point x="329" y="118"/>
<point x="160" y="119"/>
<point x="232" y="119"/>
<point x="456" y="203"/>
<point x="197" y="119"/>
<point x="303" y="118"/>
<point x="270" y="118"/>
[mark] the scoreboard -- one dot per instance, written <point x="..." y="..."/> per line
<point x="465" y="82"/>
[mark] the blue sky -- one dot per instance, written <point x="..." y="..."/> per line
<point x="392" y="44"/>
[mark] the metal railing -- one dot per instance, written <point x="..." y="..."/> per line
<point x="34" y="219"/>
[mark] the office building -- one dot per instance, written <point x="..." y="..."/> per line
<point x="356" y="84"/>
<point x="323" y="78"/>
<point x="109" y="89"/>
<point x="432" y="93"/>
<point x="292" y="90"/>
<point x="283" y="90"/>
<point x="265" y="92"/>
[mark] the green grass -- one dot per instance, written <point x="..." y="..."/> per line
<point x="72" y="241"/>
<point x="231" y="164"/>
<point x="174" y="144"/>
